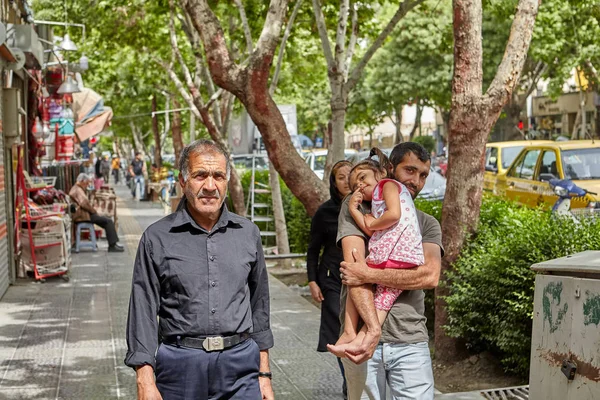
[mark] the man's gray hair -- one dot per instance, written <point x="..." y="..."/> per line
<point x="82" y="177"/>
<point x="201" y="146"/>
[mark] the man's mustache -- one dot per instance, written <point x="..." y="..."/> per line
<point x="212" y="194"/>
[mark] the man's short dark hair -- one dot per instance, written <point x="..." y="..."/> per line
<point x="138" y="153"/>
<point x="402" y="149"/>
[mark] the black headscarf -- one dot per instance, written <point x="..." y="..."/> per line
<point x="331" y="208"/>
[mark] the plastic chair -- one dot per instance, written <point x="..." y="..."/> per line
<point x="87" y="244"/>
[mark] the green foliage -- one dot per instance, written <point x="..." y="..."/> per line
<point x="426" y="141"/>
<point x="492" y="285"/>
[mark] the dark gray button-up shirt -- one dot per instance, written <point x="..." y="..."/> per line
<point x="198" y="283"/>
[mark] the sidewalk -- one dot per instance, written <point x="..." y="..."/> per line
<point x="66" y="340"/>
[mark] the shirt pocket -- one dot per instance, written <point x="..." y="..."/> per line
<point x="186" y="279"/>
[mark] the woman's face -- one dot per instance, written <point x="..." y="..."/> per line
<point x="341" y="180"/>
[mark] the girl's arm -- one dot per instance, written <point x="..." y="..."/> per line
<point x="357" y="215"/>
<point x="391" y="196"/>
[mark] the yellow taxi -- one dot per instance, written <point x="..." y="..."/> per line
<point x="498" y="158"/>
<point x="526" y="180"/>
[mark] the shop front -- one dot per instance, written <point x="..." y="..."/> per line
<point x="563" y="116"/>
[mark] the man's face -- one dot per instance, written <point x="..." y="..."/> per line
<point x="138" y="157"/>
<point x="413" y="173"/>
<point x="206" y="185"/>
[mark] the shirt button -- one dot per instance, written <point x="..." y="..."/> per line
<point x="212" y="258"/>
<point x="213" y="284"/>
<point x="213" y="311"/>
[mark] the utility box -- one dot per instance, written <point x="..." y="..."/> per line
<point x="565" y="345"/>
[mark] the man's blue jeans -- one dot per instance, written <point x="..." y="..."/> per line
<point x="135" y="180"/>
<point x="402" y="369"/>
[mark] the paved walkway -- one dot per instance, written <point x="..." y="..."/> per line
<point x="66" y="340"/>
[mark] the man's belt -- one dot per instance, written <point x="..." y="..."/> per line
<point x="208" y="343"/>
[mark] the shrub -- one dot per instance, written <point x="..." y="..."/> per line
<point x="492" y="285"/>
<point x="426" y="141"/>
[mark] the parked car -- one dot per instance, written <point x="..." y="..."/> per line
<point x="316" y="160"/>
<point x="243" y="162"/>
<point x="527" y="179"/>
<point x="435" y="185"/>
<point x="498" y="158"/>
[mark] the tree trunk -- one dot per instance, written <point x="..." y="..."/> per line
<point x="471" y="118"/>
<point x="417" y="121"/>
<point x="250" y="85"/>
<point x="156" y="133"/>
<point x="283" y="244"/>
<point x="176" y="132"/>
<point x="398" y="138"/>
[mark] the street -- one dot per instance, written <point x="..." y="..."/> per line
<point x="66" y="340"/>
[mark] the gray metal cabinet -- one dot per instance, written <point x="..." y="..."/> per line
<point x="566" y="329"/>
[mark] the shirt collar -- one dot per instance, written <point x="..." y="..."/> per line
<point x="183" y="217"/>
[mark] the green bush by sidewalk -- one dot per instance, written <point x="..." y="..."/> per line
<point x="492" y="285"/>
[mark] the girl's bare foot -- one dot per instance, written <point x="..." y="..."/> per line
<point x="339" y="348"/>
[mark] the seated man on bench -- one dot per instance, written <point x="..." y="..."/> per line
<point x="87" y="213"/>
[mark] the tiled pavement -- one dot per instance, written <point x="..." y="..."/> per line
<point x="66" y="340"/>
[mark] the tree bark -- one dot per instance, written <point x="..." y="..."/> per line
<point x="250" y="85"/>
<point x="156" y="133"/>
<point x="176" y="132"/>
<point x="398" y="138"/>
<point x="417" y="120"/>
<point x="471" y="118"/>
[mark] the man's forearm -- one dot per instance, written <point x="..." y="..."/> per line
<point x="144" y="375"/>
<point x="424" y="276"/>
<point x="264" y="361"/>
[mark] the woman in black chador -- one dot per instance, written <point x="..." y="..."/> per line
<point x="324" y="274"/>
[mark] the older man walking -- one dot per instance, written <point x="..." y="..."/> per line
<point x="201" y="271"/>
<point x="87" y="213"/>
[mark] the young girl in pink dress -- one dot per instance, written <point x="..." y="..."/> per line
<point x="395" y="237"/>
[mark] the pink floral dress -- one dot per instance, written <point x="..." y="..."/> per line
<point x="399" y="246"/>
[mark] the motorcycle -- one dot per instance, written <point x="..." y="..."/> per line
<point x="566" y="190"/>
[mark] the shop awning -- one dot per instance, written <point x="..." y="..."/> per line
<point x="95" y="125"/>
<point x="92" y="116"/>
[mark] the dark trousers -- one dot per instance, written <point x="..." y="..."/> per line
<point x="184" y="373"/>
<point x="109" y="227"/>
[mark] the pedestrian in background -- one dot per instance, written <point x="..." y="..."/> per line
<point x="324" y="274"/>
<point x="202" y="270"/>
<point x="105" y="168"/>
<point x="98" y="173"/>
<point x="116" y="168"/>
<point x="137" y="171"/>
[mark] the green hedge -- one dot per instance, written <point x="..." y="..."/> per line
<point x="492" y="285"/>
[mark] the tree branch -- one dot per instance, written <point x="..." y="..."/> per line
<point x="269" y="37"/>
<point x="340" y="37"/>
<point x="509" y="70"/>
<point x="352" y="44"/>
<point x="286" y="35"/>
<point x="322" y="27"/>
<point x="403" y="9"/>
<point x="223" y="69"/>
<point x="246" y="26"/>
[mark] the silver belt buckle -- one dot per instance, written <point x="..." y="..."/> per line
<point x="214" y="343"/>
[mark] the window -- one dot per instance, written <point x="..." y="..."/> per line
<point x="580" y="164"/>
<point x="509" y="154"/>
<point x="491" y="158"/>
<point x="548" y="166"/>
<point x="526" y="165"/>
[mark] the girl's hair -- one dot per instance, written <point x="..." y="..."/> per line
<point x="382" y="165"/>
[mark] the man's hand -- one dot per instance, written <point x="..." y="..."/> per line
<point x="355" y="200"/>
<point x="315" y="292"/>
<point x="146" y="386"/>
<point x="265" y="388"/>
<point x="355" y="273"/>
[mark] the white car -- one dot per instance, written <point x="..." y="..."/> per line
<point x="316" y="160"/>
